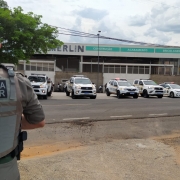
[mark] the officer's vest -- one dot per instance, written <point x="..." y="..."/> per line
<point x="10" y="110"/>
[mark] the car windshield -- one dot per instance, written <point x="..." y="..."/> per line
<point x="124" y="83"/>
<point x="36" y="79"/>
<point x="82" y="81"/>
<point x="149" y="83"/>
<point x="175" y="86"/>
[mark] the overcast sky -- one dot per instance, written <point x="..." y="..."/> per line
<point x="150" y="21"/>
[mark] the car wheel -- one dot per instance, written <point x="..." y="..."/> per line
<point x="67" y="93"/>
<point x="45" y="96"/>
<point x="107" y="92"/>
<point x="49" y="93"/>
<point x="72" y="95"/>
<point x="171" y="94"/>
<point x="145" y="93"/>
<point x="135" y="96"/>
<point x="118" y="94"/>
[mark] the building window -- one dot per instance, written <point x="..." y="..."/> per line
<point x="39" y="66"/>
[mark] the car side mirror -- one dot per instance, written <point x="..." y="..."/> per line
<point x="71" y="81"/>
<point x="115" y="85"/>
<point x="48" y="81"/>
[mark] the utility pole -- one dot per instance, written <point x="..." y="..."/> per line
<point x="97" y="86"/>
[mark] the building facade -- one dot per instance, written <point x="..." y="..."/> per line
<point x="111" y="60"/>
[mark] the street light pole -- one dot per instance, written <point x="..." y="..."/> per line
<point x="98" y="61"/>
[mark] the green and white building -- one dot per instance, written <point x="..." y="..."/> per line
<point x="126" y="61"/>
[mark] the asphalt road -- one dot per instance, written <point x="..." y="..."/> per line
<point x="86" y="139"/>
<point x="59" y="107"/>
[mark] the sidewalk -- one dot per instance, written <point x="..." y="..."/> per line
<point x="110" y="160"/>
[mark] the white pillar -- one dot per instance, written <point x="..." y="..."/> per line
<point x="178" y="66"/>
<point x="172" y="70"/>
<point x="81" y="65"/>
<point x="24" y="66"/>
<point x="55" y="65"/>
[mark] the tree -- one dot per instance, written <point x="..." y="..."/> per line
<point x="23" y="35"/>
<point x="3" y="4"/>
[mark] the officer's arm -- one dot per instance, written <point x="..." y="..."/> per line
<point x="26" y="125"/>
<point x="33" y="114"/>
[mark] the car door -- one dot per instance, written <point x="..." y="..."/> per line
<point x="115" y="87"/>
<point x="136" y="83"/>
<point x="111" y="86"/>
<point x="167" y="90"/>
<point x="71" y="81"/>
<point x="140" y="86"/>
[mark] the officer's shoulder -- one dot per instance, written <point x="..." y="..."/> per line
<point x="22" y="79"/>
<point x="19" y="74"/>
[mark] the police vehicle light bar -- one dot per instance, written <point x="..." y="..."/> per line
<point x="120" y="79"/>
<point x="168" y="82"/>
<point x="38" y="74"/>
<point x="78" y="76"/>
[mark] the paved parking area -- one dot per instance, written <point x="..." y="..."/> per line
<point x="62" y="95"/>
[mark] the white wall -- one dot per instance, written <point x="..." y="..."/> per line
<point x="129" y="77"/>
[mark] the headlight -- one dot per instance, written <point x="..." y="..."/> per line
<point x="78" y="87"/>
<point x="42" y="86"/>
<point x="122" y="89"/>
<point x="150" y="87"/>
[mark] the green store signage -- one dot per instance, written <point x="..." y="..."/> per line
<point x="132" y="49"/>
<point x="139" y="50"/>
<point x="167" y="50"/>
<point x="95" y="48"/>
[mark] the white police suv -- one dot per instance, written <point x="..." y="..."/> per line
<point x="122" y="88"/>
<point x="170" y="89"/>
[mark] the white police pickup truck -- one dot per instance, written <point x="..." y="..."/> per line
<point x="80" y="86"/>
<point x="148" y="87"/>
<point x="41" y="84"/>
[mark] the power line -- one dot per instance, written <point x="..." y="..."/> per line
<point x="70" y="32"/>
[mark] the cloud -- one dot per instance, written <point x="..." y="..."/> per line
<point x="144" y="21"/>
<point x="138" y="20"/>
<point x="91" y="13"/>
<point x="166" y="19"/>
<point x="157" y="36"/>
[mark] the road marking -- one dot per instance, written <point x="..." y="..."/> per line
<point x="76" y="118"/>
<point x="158" y="114"/>
<point x="77" y="104"/>
<point x="65" y="104"/>
<point x="120" y="116"/>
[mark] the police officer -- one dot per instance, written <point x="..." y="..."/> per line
<point x="32" y="117"/>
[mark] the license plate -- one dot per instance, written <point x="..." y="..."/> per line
<point x="131" y="93"/>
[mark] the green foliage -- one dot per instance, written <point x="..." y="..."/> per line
<point x="23" y="35"/>
<point x="3" y="4"/>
